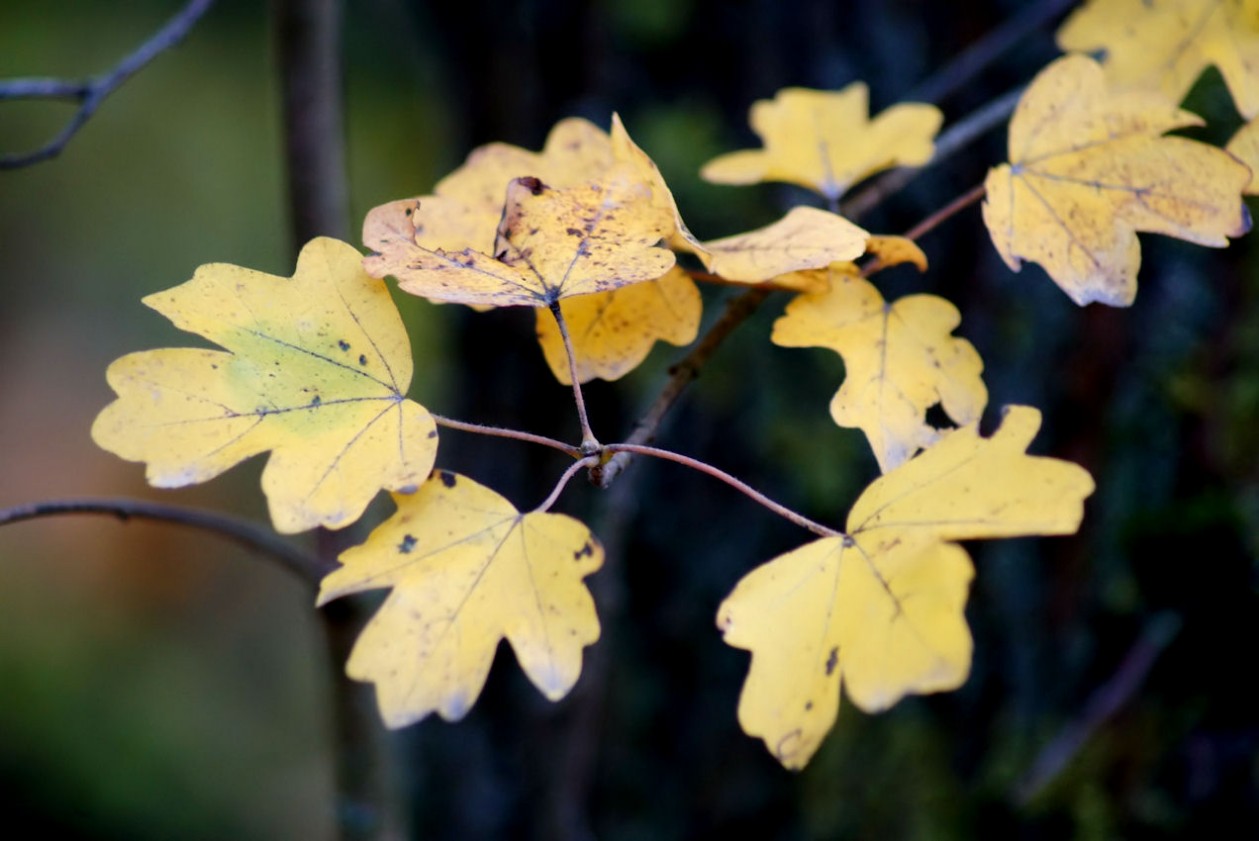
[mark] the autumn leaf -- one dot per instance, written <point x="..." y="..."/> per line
<point x="551" y="244"/>
<point x="900" y="359"/>
<point x="612" y="332"/>
<point x="467" y="570"/>
<point x="468" y="203"/>
<point x="315" y="368"/>
<point x="806" y="238"/>
<point x="1245" y="147"/>
<point x="1088" y="170"/>
<point x="1164" y="46"/>
<point x="879" y="610"/>
<point x="826" y="141"/>
<point x="883" y="252"/>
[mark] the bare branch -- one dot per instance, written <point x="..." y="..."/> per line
<point x="504" y="432"/>
<point x="90" y="93"/>
<point x="738" y="484"/>
<point x="738" y="310"/>
<point x="250" y="535"/>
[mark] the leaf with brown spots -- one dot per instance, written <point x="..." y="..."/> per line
<point x="551" y="244"/>
<point x="315" y="368"/>
<point x="826" y="141"/>
<point x="467" y="570"/>
<point x="879" y="610"/>
<point x="612" y="332"/>
<point x="1088" y="169"/>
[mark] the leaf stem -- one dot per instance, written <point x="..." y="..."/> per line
<point x="243" y="532"/>
<point x="90" y="93"/>
<point x="951" y="209"/>
<point x="738" y="309"/>
<point x="737" y="484"/>
<point x="573" y="469"/>
<point x="504" y="432"/>
<point x="589" y="444"/>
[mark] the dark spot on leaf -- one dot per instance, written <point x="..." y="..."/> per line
<point x="448" y="478"/>
<point x="533" y="185"/>
<point x="808" y="705"/>
<point x="343" y="344"/>
<point x="832" y="660"/>
<point x="584" y="552"/>
<point x="316" y="400"/>
<point x="362" y="359"/>
<point x="432" y="433"/>
<point x="407" y="544"/>
<point x="573" y="232"/>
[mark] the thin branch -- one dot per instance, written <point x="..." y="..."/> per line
<point x="948" y="211"/>
<point x="738" y="310"/>
<point x="976" y="58"/>
<point x="1104" y="703"/>
<point x="90" y="93"/>
<point x="737" y="484"/>
<point x="504" y="432"/>
<point x="259" y="538"/>
<point x="954" y="139"/>
<point x="589" y="443"/>
<point x="573" y="469"/>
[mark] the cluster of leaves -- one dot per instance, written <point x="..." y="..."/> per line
<point x="316" y="368"/>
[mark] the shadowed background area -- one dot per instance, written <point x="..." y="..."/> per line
<point x="166" y="685"/>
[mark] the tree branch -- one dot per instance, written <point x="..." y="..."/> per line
<point x="504" y="432"/>
<point x="90" y="93"/>
<point x="738" y="310"/>
<point x="738" y="484"/>
<point x="259" y="538"/>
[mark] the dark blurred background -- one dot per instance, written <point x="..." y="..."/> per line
<point x="156" y="684"/>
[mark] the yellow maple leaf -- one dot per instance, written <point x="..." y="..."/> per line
<point x="1165" y="46"/>
<point x="315" y="368"/>
<point x="467" y="571"/>
<point x="826" y="141"/>
<point x="806" y="238"/>
<point x="899" y="361"/>
<point x="468" y="203"/>
<point x="1244" y="145"/>
<point x="1088" y="169"/>
<point x="879" y="610"/>
<point x="551" y="243"/>
<point x="883" y="250"/>
<point x="612" y="332"/>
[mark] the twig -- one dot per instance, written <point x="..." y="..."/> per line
<point x="949" y="210"/>
<point x="973" y="60"/>
<point x="1105" y="701"/>
<point x="250" y="535"/>
<point x="739" y="485"/>
<point x="953" y="140"/>
<point x="90" y="93"/>
<point x="504" y="432"/>
<point x="589" y="443"/>
<point x="738" y="310"/>
<point x="573" y="469"/>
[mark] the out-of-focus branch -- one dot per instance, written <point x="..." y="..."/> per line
<point x="261" y="539"/>
<point x="90" y="93"/>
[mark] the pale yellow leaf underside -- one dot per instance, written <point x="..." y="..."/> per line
<point x="315" y="369"/>
<point x="826" y="141"/>
<point x="880" y="610"/>
<point x="899" y="361"/>
<point x="806" y="238"/>
<point x="1088" y="169"/>
<point x="1165" y="46"/>
<point x="612" y="332"/>
<point x="467" y="570"/>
